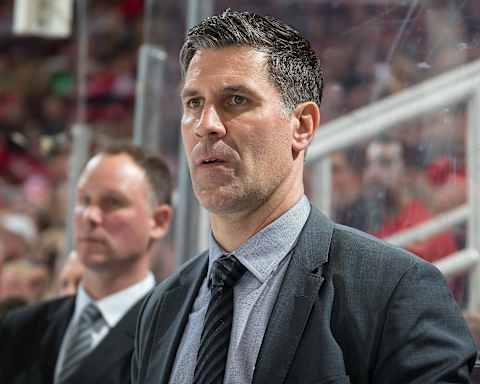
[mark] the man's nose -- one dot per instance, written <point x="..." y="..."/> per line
<point x="93" y="214"/>
<point x="209" y="123"/>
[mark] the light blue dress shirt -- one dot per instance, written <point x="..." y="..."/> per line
<point x="266" y="256"/>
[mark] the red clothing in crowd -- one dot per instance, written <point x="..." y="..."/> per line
<point x="414" y="213"/>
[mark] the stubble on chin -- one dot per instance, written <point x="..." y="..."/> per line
<point x="230" y="199"/>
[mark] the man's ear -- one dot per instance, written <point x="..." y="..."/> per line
<point x="307" y="119"/>
<point x="161" y="220"/>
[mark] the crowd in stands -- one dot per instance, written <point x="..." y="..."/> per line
<point x="38" y="106"/>
<point x="370" y="50"/>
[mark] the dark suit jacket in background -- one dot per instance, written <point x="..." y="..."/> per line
<point x="351" y="309"/>
<point x="30" y="340"/>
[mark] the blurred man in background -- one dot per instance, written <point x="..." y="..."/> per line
<point x="122" y="207"/>
<point x="389" y="183"/>
<point x="18" y="235"/>
<point x="349" y="205"/>
<point x="23" y="276"/>
<point x="26" y="280"/>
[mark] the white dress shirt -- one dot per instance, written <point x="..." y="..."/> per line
<point x="112" y="308"/>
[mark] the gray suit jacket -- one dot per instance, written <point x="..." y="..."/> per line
<point x="351" y="309"/>
<point x="30" y="340"/>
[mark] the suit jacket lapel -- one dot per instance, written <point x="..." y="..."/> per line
<point x="171" y="318"/>
<point x="56" y="326"/>
<point x="117" y="343"/>
<point x="298" y="292"/>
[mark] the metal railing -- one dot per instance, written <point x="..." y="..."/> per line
<point x="462" y="84"/>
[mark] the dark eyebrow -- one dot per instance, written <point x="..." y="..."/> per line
<point x="236" y="88"/>
<point x="188" y="92"/>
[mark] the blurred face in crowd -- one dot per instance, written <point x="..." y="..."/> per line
<point x="239" y="140"/>
<point x="15" y="247"/>
<point x="345" y="181"/>
<point x="115" y="221"/>
<point x="22" y="279"/>
<point x="70" y="275"/>
<point x="385" y="171"/>
<point x="2" y="258"/>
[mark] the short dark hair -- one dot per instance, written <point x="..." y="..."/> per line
<point x="292" y="64"/>
<point x="154" y="166"/>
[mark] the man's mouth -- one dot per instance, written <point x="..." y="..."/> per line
<point x="90" y="240"/>
<point x="212" y="161"/>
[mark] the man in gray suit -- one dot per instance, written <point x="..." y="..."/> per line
<point x="283" y="295"/>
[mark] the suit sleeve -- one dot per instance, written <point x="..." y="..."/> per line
<point x="425" y="338"/>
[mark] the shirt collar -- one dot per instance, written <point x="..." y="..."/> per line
<point x="114" y="307"/>
<point x="262" y="253"/>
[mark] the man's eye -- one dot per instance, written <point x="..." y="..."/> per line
<point x="237" y="100"/>
<point x="83" y="200"/>
<point x="111" y="203"/>
<point x="194" y="103"/>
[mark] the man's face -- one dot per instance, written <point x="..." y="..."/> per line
<point x="237" y="136"/>
<point x="70" y="275"/>
<point x="113" y="215"/>
<point x="345" y="182"/>
<point x="24" y="280"/>
<point x="385" y="170"/>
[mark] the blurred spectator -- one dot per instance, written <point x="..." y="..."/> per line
<point x="446" y="170"/>
<point x="70" y="275"/>
<point x="24" y="279"/>
<point x="51" y="247"/>
<point x="448" y="184"/>
<point x="2" y="257"/>
<point x="393" y="205"/>
<point x="349" y="206"/>
<point x="18" y="234"/>
<point x="445" y="32"/>
<point x="53" y="115"/>
<point x="334" y="103"/>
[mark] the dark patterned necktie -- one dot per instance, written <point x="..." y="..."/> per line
<point x="80" y="343"/>
<point x="215" y="339"/>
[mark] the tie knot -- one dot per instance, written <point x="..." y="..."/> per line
<point x="226" y="271"/>
<point x="90" y="314"/>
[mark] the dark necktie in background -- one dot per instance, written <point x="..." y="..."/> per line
<point x="80" y="343"/>
<point x="215" y="339"/>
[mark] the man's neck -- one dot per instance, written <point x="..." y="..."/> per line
<point x="232" y="230"/>
<point x="100" y="284"/>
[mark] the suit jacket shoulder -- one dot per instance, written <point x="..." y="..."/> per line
<point x="351" y="308"/>
<point x="365" y="256"/>
<point x="28" y="314"/>
<point x="31" y="338"/>
<point x="390" y="312"/>
<point x="162" y="319"/>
